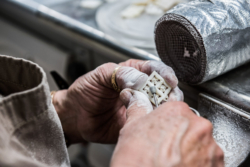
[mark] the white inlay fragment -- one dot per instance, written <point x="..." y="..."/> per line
<point x="90" y="4"/>
<point x="132" y="11"/>
<point x="154" y="10"/>
<point x="162" y="88"/>
<point x="151" y="7"/>
<point x="167" y="4"/>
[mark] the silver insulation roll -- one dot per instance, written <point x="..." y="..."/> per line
<point x="203" y="39"/>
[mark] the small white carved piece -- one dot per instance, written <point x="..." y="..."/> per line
<point x="132" y="11"/>
<point x="162" y="88"/>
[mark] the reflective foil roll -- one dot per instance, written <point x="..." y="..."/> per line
<point x="201" y="40"/>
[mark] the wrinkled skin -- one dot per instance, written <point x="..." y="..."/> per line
<point x="170" y="136"/>
<point x="91" y="110"/>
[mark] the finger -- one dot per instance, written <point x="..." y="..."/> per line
<point x="219" y="160"/>
<point x="149" y="66"/>
<point x="135" y="63"/>
<point x="163" y="70"/>
<point x="128" y="77"/>
<point x="173" y="109"/>
<point x="137" y="104"/>
<point x="176" y="95"/>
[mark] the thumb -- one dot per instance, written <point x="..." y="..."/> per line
<point x="137" y="104"/>
<point x="128" y="77"/>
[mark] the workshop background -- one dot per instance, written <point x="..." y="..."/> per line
<point x="73" y="37"/>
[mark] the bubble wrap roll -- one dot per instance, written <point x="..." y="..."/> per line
<point x="201" y="40"/>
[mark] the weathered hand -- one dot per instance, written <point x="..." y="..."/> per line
<point x="90" y="109"/>
<point x="170" y="136"/>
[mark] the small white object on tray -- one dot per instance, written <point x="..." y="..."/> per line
<point x="90" y="4"/>
<point x="151" y="7"/>
<point x="167" y="4"/>
<point x="132" y="11"/>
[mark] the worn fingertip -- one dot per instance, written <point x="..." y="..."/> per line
<point x="172" y="80"/>
<point x="142" y="79"/>
<point x="128" y="77"/>
<point x="125" y="96"/>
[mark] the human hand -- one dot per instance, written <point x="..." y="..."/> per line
<point x="90" y="109"/>
<point x="170" y="136"/>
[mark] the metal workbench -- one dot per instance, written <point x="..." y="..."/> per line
<point x="71" y="28"/>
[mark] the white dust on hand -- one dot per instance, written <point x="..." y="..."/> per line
<point x="128" y="77"/>
<point x="141" y="101"/>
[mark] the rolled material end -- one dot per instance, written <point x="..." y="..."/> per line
<point x="181" y="47"/>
